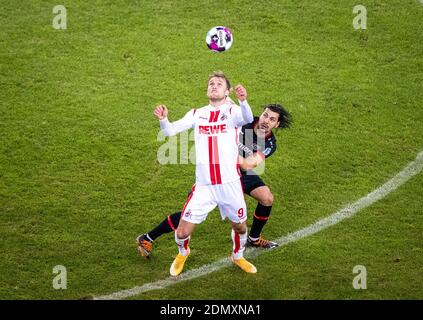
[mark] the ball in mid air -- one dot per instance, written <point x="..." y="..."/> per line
<point x="219" y="39"/>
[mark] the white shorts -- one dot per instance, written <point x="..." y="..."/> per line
<point x="229" y="197"/>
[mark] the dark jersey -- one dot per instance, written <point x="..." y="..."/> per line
<point x="249" y="143"/>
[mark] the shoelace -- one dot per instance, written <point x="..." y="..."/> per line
<point x="147" y="245"/>
<point x="262" y="242"/>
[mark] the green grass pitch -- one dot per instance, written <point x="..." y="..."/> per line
<point x="79" y="176"/>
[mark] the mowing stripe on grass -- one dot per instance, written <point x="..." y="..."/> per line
<point x="409" y="171"/>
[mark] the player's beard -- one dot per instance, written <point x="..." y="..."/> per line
<point x="216" y="98"/>
<point x="262" y="130"/>
<point x="263" y="127"/>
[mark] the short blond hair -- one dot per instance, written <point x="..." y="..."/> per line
<point x="220" y="74"/>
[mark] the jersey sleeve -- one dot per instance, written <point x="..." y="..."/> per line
<point x="269" y="150"/>
<point x="173" y="128"/>
<point x="242" y="115"/>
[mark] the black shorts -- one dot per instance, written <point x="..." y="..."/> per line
<point x="250" y="181"/>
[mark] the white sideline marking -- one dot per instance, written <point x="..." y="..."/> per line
<point x="409" y="171"/>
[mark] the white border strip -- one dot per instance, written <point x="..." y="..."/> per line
<point x="412" y="169"/>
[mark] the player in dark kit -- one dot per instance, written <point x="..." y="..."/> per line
<point x="256" y="142"/>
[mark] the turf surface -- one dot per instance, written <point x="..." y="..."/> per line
<point x="79" y="176"/>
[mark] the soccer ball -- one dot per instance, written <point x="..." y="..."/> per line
<point x="219" y="39"/>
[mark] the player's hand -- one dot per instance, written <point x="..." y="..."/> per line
<point x="160" y="112"/>
<point x="241" y="93"/>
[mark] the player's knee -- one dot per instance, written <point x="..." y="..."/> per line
<point x="182" y="232"/>
<point x="240" y="228"/>
<point x="182" y="235"/>
<point x="267" y="199"/>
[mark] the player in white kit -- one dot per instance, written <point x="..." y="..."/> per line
<point x="217" y="170"/>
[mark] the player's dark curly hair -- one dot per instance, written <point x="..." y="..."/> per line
<point x="285" y="118"/>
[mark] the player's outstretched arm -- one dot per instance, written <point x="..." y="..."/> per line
<point x="171" y="129"/>
<point x="247" y="114"/>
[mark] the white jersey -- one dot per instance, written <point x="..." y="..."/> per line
<point x="216" y="140"/>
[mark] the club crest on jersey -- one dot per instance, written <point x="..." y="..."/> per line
<point x="223" y="117"/>
<point x="187" y="213"/>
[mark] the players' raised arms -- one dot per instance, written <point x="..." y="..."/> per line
<point x="246" y="115"/>
<point x="172" y="128"/>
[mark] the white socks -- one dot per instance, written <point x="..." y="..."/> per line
<point x="239" y="240"/>
<point x="182" y="245"/>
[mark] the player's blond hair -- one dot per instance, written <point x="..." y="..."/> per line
<point x="220" y="74"/>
